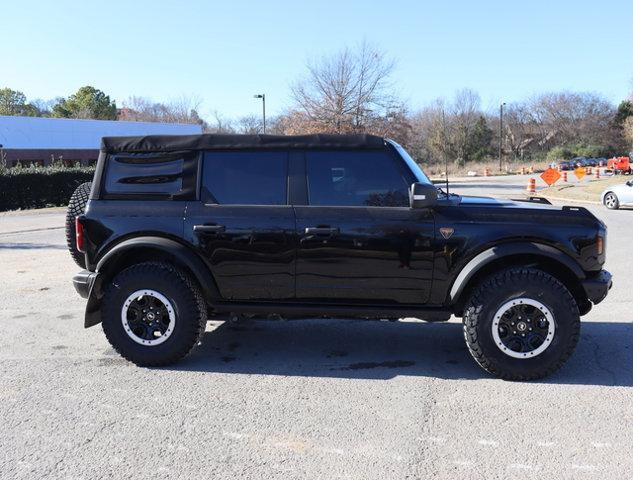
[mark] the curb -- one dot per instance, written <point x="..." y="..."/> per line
<point x="570" y="200"/>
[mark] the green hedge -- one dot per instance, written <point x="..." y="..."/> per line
<point x="38" y="187"/>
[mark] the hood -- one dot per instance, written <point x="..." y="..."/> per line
<point x="536" y="203"/>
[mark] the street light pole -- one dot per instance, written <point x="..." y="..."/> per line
<point x="501" y="135"/>
<point x="263" y="97"/>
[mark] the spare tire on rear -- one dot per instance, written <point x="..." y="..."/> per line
<point x="76" y="207"/>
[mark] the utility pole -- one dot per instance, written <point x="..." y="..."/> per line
<point x="501" y="135"/>
<point x="263" y="97"/>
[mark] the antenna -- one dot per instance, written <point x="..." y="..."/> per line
<point x="444" y="149"/>
<point x="446" y="173"/>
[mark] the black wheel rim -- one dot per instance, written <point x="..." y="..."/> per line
<point x="148" y="317"/>
<point x="523" y="328"/>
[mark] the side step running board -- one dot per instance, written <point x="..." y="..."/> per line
<point x="331" y="311"/>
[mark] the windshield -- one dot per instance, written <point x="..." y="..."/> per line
<point x="415" y="168"/>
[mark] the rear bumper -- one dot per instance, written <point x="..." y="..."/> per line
<point x="83" y="282"/>
<point x="597" y="287"/>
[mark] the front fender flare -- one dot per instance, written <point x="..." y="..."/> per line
<point x="506" y="250"/>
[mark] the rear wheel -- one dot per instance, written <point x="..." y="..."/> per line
<point x="521" y="324"/>
<point x="153" y="314"/>
<point x="611" y="201"/>
<point x="76" y="207"/>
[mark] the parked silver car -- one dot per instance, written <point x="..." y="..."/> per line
<point x="617" y="196"/>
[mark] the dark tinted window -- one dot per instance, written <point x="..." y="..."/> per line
<point x="356" y="179"/>
<point x="144" y="174"/>
<point x="245" y="178"/>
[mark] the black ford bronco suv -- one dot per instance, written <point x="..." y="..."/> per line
<point x="174" y="229"/>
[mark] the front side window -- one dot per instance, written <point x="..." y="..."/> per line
<point x="362" y="179"/>
<point x="244" y="178"/>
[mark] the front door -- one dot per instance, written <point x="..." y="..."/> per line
<point x="243" y="226"/>
<point x="358" y="240"/>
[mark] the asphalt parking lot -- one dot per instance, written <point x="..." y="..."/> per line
<point x="299" y="399"/>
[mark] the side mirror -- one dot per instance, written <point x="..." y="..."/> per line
<point x="630" y="183"/>
<point x="422" y="195"/>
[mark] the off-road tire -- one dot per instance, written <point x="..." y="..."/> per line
<point x="505" y="286"/>
<point x="615" y="205"/>
<point x="76" y="207"/>
<point x="181" y="291"/>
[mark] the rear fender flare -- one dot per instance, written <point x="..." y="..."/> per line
<point x="182" y="255"/>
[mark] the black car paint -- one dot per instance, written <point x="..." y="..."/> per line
<point x="359" y="258"/>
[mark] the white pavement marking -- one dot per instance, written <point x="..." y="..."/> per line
<point x="489" y="443"/>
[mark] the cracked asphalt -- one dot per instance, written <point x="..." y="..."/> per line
<point x="299" y="399"/>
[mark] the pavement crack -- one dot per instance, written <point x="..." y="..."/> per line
<point x="77" y="448"/>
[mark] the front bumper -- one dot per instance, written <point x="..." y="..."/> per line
<point x="83" y="282"/>
<point x="598" y="286"/>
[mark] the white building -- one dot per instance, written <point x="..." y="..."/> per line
<point x="39" y="140"/>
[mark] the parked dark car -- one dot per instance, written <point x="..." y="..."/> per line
<point x="181" y="228"/>
<point x="567" y="165"/>
<point x="579" y="161"/>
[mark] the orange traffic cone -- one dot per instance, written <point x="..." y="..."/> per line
<point x="564" y="176"/>
<point x="522" y="170"/>
<point x="531" y="187"/>
<point x="597" y="174"/>
<point x="486" y="172"/>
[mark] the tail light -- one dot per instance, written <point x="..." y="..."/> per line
<point x="600" y="244"/>
<point x="79" y="235"/>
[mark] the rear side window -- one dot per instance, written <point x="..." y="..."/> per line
<point x="146" y="174"/>
<point x="362" y="179"/>
<point x="245" y="178"/>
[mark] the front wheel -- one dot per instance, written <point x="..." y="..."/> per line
<point x="611" y="201"/>
<point x="153" y="314"/>
<point x="521" y="324"/>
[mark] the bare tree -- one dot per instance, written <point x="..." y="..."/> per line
<point x="347" y="92"/>
<point x="628" y="131"/>
<point x="181" y="110"/>
<point x="464" y="116"/>
<point x="454" y="131"/>
<point x="574" y="117"/>
<point x="250" y="125"/>
<point x="219" y="124"/>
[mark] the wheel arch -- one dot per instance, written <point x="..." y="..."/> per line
<point x="520" y="254"/>
<point x="142" y="249"/>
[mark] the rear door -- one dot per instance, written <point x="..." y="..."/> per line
<point x="358" y="239"/>
<point x="243" y="226"/>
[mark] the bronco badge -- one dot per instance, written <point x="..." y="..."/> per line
<point x="447" y="232"/>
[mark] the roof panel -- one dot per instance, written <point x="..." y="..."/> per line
<point x="167" y="143"/>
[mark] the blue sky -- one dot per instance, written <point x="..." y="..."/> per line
<point x="224" y="52"/>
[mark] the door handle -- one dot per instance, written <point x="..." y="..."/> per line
<point x="321" y="231"/>
<point x="209" y="228"/>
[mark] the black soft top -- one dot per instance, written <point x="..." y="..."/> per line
<point x="177" y="143"/>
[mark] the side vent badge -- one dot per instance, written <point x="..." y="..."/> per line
<point x="447" y="232"/>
